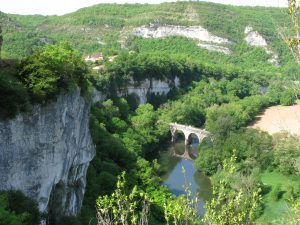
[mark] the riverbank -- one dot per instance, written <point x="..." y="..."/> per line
<point x="279" y="118"/>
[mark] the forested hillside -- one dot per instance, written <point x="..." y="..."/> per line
<point x="225" y="81"/>
<point x="108" y="28"/>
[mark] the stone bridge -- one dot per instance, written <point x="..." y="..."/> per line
<point x="187" y="131"/>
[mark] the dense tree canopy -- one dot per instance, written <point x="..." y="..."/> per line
<point x="53" y="68"/>
<point x="16" y="209"/>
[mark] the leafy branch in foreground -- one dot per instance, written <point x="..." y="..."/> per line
<point x="231" y="206"/>
<point x="120" y="208"/>
<point x="292" y="35"/>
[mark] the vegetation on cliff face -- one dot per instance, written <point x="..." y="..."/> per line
<point x="51" y="69"/>
<point x="39" y="78"/>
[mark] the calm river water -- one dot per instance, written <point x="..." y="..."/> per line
<point x="173" y="176"/>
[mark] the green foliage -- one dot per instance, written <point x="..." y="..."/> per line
<point x="275" y="211"/>
<point x="16" y="209"/>
<point x="221" y="120"/>
<point x="145" y="123"/>
<point x="191" y="108"/>
<point x="142" y="66"/>
<point x="53" y="68"/>
<point x="283" y="92"/>
<point x="107" y="27"/>
<point x="13" y="95"/>
<point x="122" y="136"/>
<point x="39" y="78"/>
<point x="123" y="208"/>
<point x="276" y="193"/>
<point x="236" y="199"/>
<point x="288" y="97"/>
<point x="253" y="150"/>
<point x="286" y="153"/>
<point x="226" y="99"/>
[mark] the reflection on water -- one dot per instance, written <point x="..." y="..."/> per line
<point x="172" y="160"/>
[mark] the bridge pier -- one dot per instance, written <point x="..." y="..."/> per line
<point x="173" y="134"/>
<point x="188" y="141"/>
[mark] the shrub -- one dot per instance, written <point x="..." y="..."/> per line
<point x="17" y="209"/>
<point x="276" y="193"/>
<point x="48" y="70"/>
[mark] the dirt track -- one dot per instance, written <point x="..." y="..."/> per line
<point x="279" y="118"/>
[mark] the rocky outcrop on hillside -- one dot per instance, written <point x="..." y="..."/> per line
<point x="147" y="87"/>
<point x="253" y="38"/>
<point x="46" y="153"/>
<point x="142" y="90"/>
<point x="197" y="33"/>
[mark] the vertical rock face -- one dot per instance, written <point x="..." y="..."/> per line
<point x="141" y="89"/>
<point x="46" y="153"/>
<point x="149" y="86"/>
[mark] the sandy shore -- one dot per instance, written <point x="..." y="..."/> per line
<point x="279" y="118"/>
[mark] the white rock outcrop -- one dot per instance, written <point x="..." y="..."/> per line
<point x="193" y="32"/>
<point x="141" y="89"/>
<point x="255" y="39"/>
<point x="197" y="33"/>
<point x="46" y="153"/>
<point x="144" y="88"/>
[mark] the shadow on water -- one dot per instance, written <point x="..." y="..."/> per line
<point x="173" y="177"/>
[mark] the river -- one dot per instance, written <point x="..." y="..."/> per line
<point x="174" y="178"/>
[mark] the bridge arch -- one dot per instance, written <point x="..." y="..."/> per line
<point x="189" y="137"/>
<point x="187" y="131"/>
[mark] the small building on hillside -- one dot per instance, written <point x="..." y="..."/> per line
<point x="98" y="68"/>
<point x="95" y="57"/>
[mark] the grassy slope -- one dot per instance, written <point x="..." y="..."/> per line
<point x="276" y="210"/>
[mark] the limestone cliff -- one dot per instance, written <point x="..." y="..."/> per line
<point x="142" y="89"/>
<point x="45" y="153"/>
<point x="148" y="86"/>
